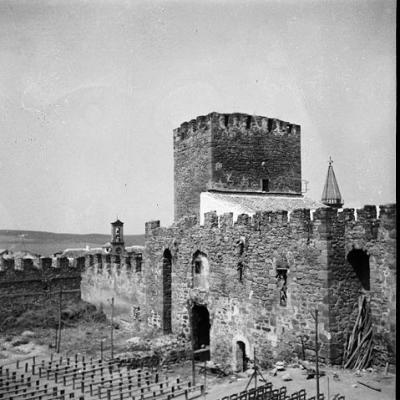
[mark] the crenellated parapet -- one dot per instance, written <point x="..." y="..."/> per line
<point x="39" y="268"/>
<point x="322" y="220"/>
<point x="235" y="123"/>
<point x="101" y="262"/>
<point x="371" y="219"/>
<point x="193" y="127"/>
<point x="35" y="282"/>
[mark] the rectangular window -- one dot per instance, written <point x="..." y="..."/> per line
<point x="265" y="185"/>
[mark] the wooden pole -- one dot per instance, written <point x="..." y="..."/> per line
<point x="101" y="350"/>
<point x="205" y="375"/>
<point x="329" y="395"/>
<point x="56" y="339"/>
<point x="112" y="327"/>
<point x="316" y="351"/>
<point x="192" y="339"/>
<point x="59" y="322"/>
<point x="255" y="369"/>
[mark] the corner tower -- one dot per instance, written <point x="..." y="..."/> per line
<point x="234" y="153"/>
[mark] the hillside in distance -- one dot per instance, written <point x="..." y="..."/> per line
<point x="48" y="243"/>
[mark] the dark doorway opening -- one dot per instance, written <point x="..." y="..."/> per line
<point x="359" y="260"/>
<point x="241" y="359"/>
<point x="201" y="331"/>
<point x="167" y="291"/>
<point x="265" y="185"/>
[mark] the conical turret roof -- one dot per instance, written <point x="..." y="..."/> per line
<point x="331" y="195"/>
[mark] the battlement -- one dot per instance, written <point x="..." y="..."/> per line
<point x="128" y="262"/>
<point x="235" y="122"/>
<point x="296" y="218"/>
<point x="40" y="266"/>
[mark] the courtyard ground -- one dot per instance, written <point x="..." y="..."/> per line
<point x="85" y="338"/>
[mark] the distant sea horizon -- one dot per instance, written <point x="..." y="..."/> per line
<point x="47" y="243"/>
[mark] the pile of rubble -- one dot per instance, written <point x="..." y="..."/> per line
<point x="155" y="352"/>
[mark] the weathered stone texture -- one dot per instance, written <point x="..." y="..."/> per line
<point x="106" y="277"/>
<point x="377" y="237"/>
<point x="246" y="149"/>
<point x="319" y="277"/>
<point x="192" y="165"/>
<point x="234" y="152"/>
<point x="26" y="283"/>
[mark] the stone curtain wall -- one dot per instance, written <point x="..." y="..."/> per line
<point x="234" y="151"/>
<point x="314" y="250"/>
<point x="107" y="276"/>
<point x="377" y="237"/>
<point x="26" y="283"/>
<point x="249" y="310"/>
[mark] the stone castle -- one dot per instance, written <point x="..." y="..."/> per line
<point x="248" y="258"/>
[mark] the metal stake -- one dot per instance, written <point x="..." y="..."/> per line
<point x="205" y="375"/>
<point x="59" y="322"/>
<point x="192" y="338"/>
<point x="316" y="351"/>
<point x="112" y="328"/>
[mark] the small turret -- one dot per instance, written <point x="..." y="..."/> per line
<point x="331" y="195"/>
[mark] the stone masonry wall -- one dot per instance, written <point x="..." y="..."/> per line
<point x="192" y="165"/>
<point x="319" y="276"/>
<point x="26" y="283"/>
<point x="248" y="311"/>
<point x="246" y="149"/>
<point x="234" y="152"/>
<point x="377" y="237"/>
<point x="109" y="276"/>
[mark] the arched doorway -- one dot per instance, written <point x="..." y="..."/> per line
<point x="201" y="330"/>
<point x="167" y="291"/>
<point x="359" y="260"/>
<point x="241" y="359"/>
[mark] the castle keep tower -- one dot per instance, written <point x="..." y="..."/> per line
<point x="234" y="153"/>
<point x="117" y="238"/>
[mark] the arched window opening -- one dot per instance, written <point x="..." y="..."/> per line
<point x="200" y="270"/>
<point x="198" y="261"/>
<point x="167" y="291"/>
<point x="359" y="260"/>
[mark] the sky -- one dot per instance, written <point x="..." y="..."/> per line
<point x="90" y="92"/>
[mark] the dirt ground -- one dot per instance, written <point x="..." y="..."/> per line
<point x="86" y="339"/>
